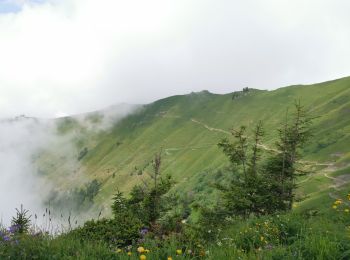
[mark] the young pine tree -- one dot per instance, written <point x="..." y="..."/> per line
<point x="282" y="168"/>
<point x="21" y="221"/>
<point x="245" y="195"/>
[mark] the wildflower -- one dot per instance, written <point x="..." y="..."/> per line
<point x="189" y="251"/>
<point x="346" y="210"/>
<point x="147" y="251"/>
<point x="143" y="231"/>
<point x="118" y="250"/>
<point x="262" y="238"/>
<point x="140" y="249"/>
<point x="13" y="229"/>
<point x="334" y="207"/>
<point x="143" y="257"/>
<point x="129" y="253"/>
<point x="338" y="202"/>
<point x="170" y="258"/>
<point x="179" y="252"/>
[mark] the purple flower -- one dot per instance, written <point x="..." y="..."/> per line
<point x="144" y="231"/>
<point x="13" y="229"/>
<point x="6" y="238"/>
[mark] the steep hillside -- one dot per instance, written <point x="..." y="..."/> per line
<point x="187" y="128"/>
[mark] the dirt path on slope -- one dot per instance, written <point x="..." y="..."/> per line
<point x="168" y="150"/>
<point x="266" y="148"/>
<point x="210" y="128"/>
<point x="263" y="146"/>
<point x="338" y="182"/>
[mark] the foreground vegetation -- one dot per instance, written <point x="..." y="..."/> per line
<point x="252" y="218"/>
<point x="286" y="236"/>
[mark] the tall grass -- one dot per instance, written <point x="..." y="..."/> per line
<point x="289" y="236"/>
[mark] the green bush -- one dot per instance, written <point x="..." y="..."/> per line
<point x="117" y="232"/>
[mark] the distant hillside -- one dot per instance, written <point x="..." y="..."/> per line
<point x="187" y="128"/>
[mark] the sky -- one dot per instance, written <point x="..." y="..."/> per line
<point x="62" y="57"/>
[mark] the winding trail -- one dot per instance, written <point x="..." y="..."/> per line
<point x="263" y="146"/>
<point x="337" y="181"/>
<point x="168" y="150"/>
<point x="210" y="128"/>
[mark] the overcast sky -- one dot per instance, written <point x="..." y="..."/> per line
<point x="60" y="57"/>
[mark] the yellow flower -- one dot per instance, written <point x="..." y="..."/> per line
<point x="179" y="252"/>
<point x="170" y="258"/>
<point x="129" y="253"/>
<point x="334" y="206"/>
<point x="147" y="251"/>
<point x="140" y="249"/>
<point x="118" y="250"/>
<point x="262" y="238"/>
<point x="143" y="257"/>
<point x="346" y="210"/>
<point x="338" y="202"/>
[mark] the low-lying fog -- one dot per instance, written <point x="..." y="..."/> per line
<point x="22" y="139"/>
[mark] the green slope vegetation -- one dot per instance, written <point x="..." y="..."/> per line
<point x="188" y="127"/>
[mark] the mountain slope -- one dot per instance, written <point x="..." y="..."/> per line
<point x="187" y="128"/>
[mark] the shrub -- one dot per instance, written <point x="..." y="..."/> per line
<point x="121" y="231"/>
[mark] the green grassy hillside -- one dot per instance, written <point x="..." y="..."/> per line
<point x="188" y="127"/>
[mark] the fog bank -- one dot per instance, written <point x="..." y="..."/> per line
<point x="25" y="141"/>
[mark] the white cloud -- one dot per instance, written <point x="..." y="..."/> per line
<point x="70" y="56"/>
<point x="19" y="184"/>
<point x="36" y="161"/>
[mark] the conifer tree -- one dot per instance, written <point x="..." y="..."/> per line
<point x="258" y="188"/>
<point x="282" y="168"/>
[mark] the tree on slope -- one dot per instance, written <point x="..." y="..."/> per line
<point x="261" y="187"/>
